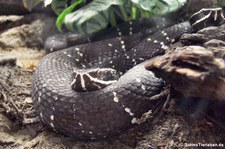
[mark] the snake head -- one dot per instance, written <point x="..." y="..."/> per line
<point x="93" y="79"/>
<point x="207" y="17"/>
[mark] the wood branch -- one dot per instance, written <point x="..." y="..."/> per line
<point x="192" y="70"/>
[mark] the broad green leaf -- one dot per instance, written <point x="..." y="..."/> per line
<point x="95" y="16"/>
<point x="98" y="14"/>
<point x="58" y="6"/>
<point x="61" y="17"/>
<point x="158" y="7"/>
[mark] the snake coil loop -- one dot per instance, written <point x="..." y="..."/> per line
<point x="100" y="89"/>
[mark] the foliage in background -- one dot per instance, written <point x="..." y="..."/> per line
<point x="98" y="14"/>
<point x="221" y="2"/>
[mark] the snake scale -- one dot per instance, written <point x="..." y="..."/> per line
<point x="99" y="89"/>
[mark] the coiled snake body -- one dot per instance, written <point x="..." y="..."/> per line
<point x="93" y="90"/>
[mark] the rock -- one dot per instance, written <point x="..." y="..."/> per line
<point x="37" y="28"/>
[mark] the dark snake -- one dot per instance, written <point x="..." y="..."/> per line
<point x="99" y="89"/>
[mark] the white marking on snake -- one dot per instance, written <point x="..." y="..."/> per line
<point x="128" y="57"/>
<point x="55" y="97"/>
<point x="77" y="60"/>
<point x="134" y="60"/>
<point x="69" y="55"/>
<point x="115" y="98"/>
<point x="130" y="22"/>
<point x="138" y="80"/>
<point x="129" y="111"/>
<point x="39" y="94"/>
<point x="202" y="19"/>
<point x="52" y="125"/>
<point x="215" y="16"/>
<point x="155" y="41"/>
<point x="39" y="99"/>
<point x="110" y="62"/>
<point x="143" y="118"/>
<point x="123" y="46"/>
<point x="77" y="49"/>
<point x="143" y="87"/>
<point x="149" y="39"/>
<point x="74" y="109"/>
<point x="83" y="65"/>
<point x="119" y="33"/>
<point x="134" y="120"/>
<point x="54" y="60"/>
<point x="164" y="33"/>
<point x="167" y="38"/>
<point x="221" y="14"/>
<point x="164" y="47"/>
<point x="100" y="81"/>
<point x="81" y="54"/>
<point x="65" y="64"/>
<point x="82" y="82"/>
<point x="109" y="44"/>
<point x="122" y="42"/>
<point x="65" y="52"/>
<point x="172" y="40"/>
<point x="80" y="124"/>
<point x="41" y="115"/>
<point x="90" y="132"/>
<point x="82" y="131"/>
<point x="52" y="117"/>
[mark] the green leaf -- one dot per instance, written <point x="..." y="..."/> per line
<point x="61" y="17"/>
<point x="58" y="6"/>
<point x="158" y="7"/>
<point x="95" y="16"/>
<point x="98" y="14"/>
